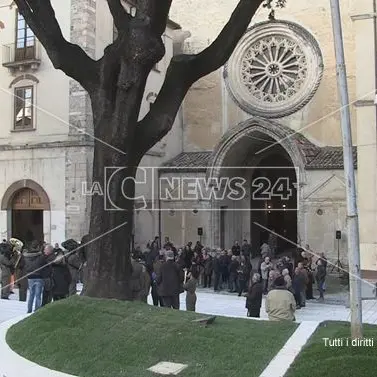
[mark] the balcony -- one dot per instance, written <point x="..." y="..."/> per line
<point x="22" y="59"/>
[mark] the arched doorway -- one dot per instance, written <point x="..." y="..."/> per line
<point x="276" y="175"/>
<point x="25" y="202"/>
<point x="272" y="159"/>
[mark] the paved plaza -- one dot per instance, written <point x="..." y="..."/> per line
<point x="231" y="306"/>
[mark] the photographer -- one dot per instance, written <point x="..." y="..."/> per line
<point x="7" y="262"/>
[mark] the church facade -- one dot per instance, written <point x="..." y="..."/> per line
<point x="257" y="145"/>
<point x="272" y="113"/>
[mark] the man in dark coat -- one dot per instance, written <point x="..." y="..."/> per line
<point x="137" y="279"/>
<point x="74" y="263"/>
<point x="225" y="260"/>
<point x="169" y="280"/>
<point x="156" y="268"/>
<point x="208" y="270"/>
<point x="299" y="287"/>
<point x="21" y="280"/>
<point x="243" y="271"/>
<point x="61" y="277"/>
<point x="156" y="244"/>
<point x="233" y="274"/>
<point x="198" y="248"/>
<point x="320" y="278"/>
<point x="236" y="249"/>
<point x="254" y="297"/>
<point x="217" y="272"/>
<point x="246" y="250"/>
<point x="48" y="281"/>
<point x="35" y="262"/>
<point x="188" y="255"/>
<point x="190" y="288"/>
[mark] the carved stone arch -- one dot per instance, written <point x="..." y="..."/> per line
<point x="293" y="143"/>
<point x="23" y="77"/>
<point x="14" y="188"/>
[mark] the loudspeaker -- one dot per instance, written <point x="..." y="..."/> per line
<point x="200" y="231"/>
<point x="338" y="234"/>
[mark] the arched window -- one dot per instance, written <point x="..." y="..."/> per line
<point x="24" y="94"/>
<point x="151" y="98"/>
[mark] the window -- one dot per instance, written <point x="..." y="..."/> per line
<point x="151" y="98"/>
<point x="25" y="40"/>
<point x="23" y="108"/>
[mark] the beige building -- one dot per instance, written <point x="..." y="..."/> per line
<point x="46" y="143"/>
<point x="257" y="145"/>
<point x="273" y="112"/>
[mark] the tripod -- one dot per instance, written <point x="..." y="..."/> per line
<point x="338" y="263"/>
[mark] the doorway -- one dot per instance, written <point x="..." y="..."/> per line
<point x="277" y="211"/>
<point x="27" y="216"/>
<point x="27" y="225"/>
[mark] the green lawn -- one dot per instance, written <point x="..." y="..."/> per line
<point x="108" y="338"/>
<point x="317" y="360"/>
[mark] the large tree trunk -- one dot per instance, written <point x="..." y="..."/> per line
<point x="111" y="225"/>
<point x="116" y="157"/>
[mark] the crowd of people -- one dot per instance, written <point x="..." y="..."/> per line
<point x="232" y="270"/>
<point x="51" y="273"/>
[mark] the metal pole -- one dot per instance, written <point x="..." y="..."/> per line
<point x="352" y="214"/>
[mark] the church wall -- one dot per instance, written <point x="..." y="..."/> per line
<point x="181" y="226"/>
<point x="77" y="204"/>
<point x="316" y="18"/>
<point x="47" y="168"/>
<point x="366" y="141"/>
<point x="180" y="219"/>
<point x="323" y="207"/>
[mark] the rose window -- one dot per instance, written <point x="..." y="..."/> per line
<point x="275" y="70"/>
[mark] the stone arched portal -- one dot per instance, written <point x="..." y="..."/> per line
<point x="261" y="151"/>
<point x="27" y="205"/>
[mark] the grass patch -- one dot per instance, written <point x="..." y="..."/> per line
<point x="317" y="360"/>
<point x="108" y="338"/>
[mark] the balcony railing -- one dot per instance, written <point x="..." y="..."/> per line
<point x="22" y="58"/>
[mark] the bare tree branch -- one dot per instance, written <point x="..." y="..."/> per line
<point x="156" y="11"/>
<point x="68" y="57"/>
<point x="120" y="16"/>
<point x="184" y="70"/>
<point x="160" y="15"/>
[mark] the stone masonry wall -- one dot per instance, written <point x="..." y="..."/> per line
<point x="79" y="159"/>
<point x="77" y="204"/>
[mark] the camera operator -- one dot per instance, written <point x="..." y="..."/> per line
<point x="7" y="263"/>
<point x="21" y="280"/>
<point x="74" y="262"/>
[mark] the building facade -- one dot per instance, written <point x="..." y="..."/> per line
<point x="46" y="129"/>
<point x="275" y="105"/>
<point x="258" y="144"/>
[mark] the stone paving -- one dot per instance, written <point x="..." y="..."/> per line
<point x="232" y="306"/>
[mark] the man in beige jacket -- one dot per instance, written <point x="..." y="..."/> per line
<point x="280" y="303"/>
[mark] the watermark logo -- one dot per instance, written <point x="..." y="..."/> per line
<point x="165" y="189"/>
<point x="202" y="188"/>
